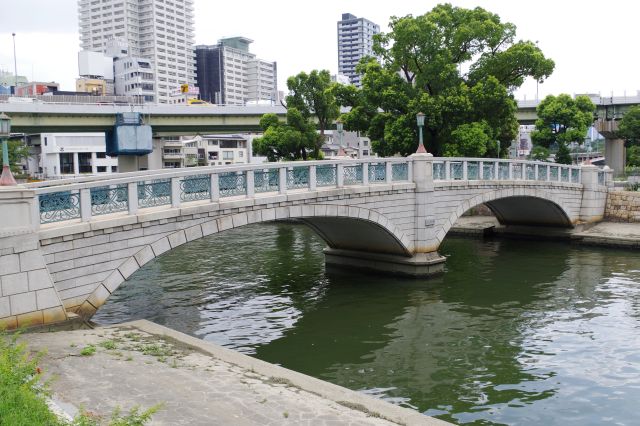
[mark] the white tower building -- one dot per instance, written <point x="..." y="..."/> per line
<point x="355" y="40"/>
<point x="158" y="30"/>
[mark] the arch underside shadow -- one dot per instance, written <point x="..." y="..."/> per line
<point x="356" y="229"/>
<point x="529" y="211"/>
<point x="355" y="234"/>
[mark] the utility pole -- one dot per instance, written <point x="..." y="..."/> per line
<point x="15" y="64"/>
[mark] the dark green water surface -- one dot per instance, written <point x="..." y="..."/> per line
<point x="515" y="332"/>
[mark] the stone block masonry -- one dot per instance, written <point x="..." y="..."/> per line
<point x="623" y="206"/>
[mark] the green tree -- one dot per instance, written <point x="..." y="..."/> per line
<point x="633" y="156"/>
<point x="539" y="153"/>
<point x="294" y="140"/>
<point x="457" y="66"/>
<point x="629" y="127"/>
<point x="18" y="151"/>
<point x="562" y="120"/>
<point x="312" y="95"/>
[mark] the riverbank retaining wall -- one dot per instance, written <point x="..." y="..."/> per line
<point x="623" y="206"/>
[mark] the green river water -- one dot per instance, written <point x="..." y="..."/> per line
<point x="514" y="332"/>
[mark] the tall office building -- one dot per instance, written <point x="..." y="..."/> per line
<point x="227" y="73"/>
<point x="355" y="40"/>
<point x="158" y="30"/>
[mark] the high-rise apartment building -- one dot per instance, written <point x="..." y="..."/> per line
<point x="355" y="40"/>
<point x="227" y="73"/>
<point x="160" y="31"/>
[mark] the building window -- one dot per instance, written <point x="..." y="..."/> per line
<point x="240" y="154"/>
<point x="101" y="155"/>
<point x="227" y="155"/>
<point x="114" y="169"/>
<point x="66" y="163"/>
<point x="102" y="169"/>
<point x="45" y="141"/>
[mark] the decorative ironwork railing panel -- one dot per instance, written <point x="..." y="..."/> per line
<point x="298" y="177"/>
<point x="553" y="173"/>
<point x="438" y="171"/>
<point x="352" y="174"/>
<point x="456" y="170"/>
<point x="266" y="180"/>
<point x="326" y="175"/>
<point x="232" y="183"/>
<point x="399" y="171"/>
<point x="575" y="176"/>
<point x="377" y="172"/>
<point x="59" y="206"/>
<point x="517" y="171"/>
<point x="193" y="188"/>
<point x="488" y="171"/>
<point x="473" y="170"/>
<point x="154" y="193"/>
<point x="542" y="172"/>
<point x="564" y="174"/>
<point x="503" y="171"/>
<point x="530" y="172"/>
<point x="105" y="200"/>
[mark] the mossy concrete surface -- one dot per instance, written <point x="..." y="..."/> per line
<point x="198" y="383"/>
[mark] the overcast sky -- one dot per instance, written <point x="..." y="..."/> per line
<point x="592" y="42"/>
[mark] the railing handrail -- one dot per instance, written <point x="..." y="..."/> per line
<point x="122" y="178"/>
<point x="504" y="160"/>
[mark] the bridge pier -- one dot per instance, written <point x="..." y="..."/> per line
<point x="27" y="293"/>
<point x="419" y="265"/>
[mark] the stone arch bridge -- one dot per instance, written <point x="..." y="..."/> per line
<point x="66" y="245"/>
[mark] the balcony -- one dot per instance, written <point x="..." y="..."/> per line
<point x="172" y="156"/>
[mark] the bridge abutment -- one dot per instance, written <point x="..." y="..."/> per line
<point x="418" y="265"/>
<point x="27" y="293"/>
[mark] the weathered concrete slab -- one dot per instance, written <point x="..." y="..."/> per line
<point x="198" y="383"/>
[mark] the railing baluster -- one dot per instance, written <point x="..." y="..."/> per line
<point x="85" y="205"/>
<point x="251" y="187"/>
<point x="365" y="173"/>
<point x="132" y="197"/>
<point x="175" y="192"/>
<point x="312" y="178"/>
<point x="465" y="171"/>
<point x="388" y="172"/>
<point x="340" y="175"/>
<point x="214" y="188"/>
<point x="282" y="180"/>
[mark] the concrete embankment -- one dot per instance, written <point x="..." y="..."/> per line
<point x="198" y="383"/>
<point x="609" y="234"/>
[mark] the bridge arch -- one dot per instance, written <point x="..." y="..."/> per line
<point x="529" y="206"/>
<point x="341" y="227"/>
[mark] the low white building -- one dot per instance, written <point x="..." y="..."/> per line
<point x="199" y="150"/>
<point x="354" y="145"/>
<point x="58" y="155"/>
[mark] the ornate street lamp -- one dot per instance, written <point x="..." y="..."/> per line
<point x="340" y="128"/>
<point x="6" y="179"/>
<point x="420" y="119"/>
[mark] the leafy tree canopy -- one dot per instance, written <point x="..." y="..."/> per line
<point x="629" y="127"/>
<point x="296" y="139"/>
<point x="562" y="120"/>
<point x="18" y="151"/>
<point x="311" y="94"/>
<point x="455" y="65"/>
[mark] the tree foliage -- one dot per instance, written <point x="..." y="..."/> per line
<point x="455" y="65"/>
<point x="539" y="153"/>
<point x="562" y="120"/>
<point x="18" y="151"/>
<point x="311" y="94"/>
<point x="296" y="139"/>
<point x="629" y="127"/>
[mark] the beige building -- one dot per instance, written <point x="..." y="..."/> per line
<point x="91" y="85"/>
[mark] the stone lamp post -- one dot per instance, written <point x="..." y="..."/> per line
<point x="6" y="179"/>
<point x="420" y="119"/>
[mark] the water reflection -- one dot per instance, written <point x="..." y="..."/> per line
<point x="515" y="332"/>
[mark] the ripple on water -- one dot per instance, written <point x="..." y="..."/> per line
<point x="513" y="333"/>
